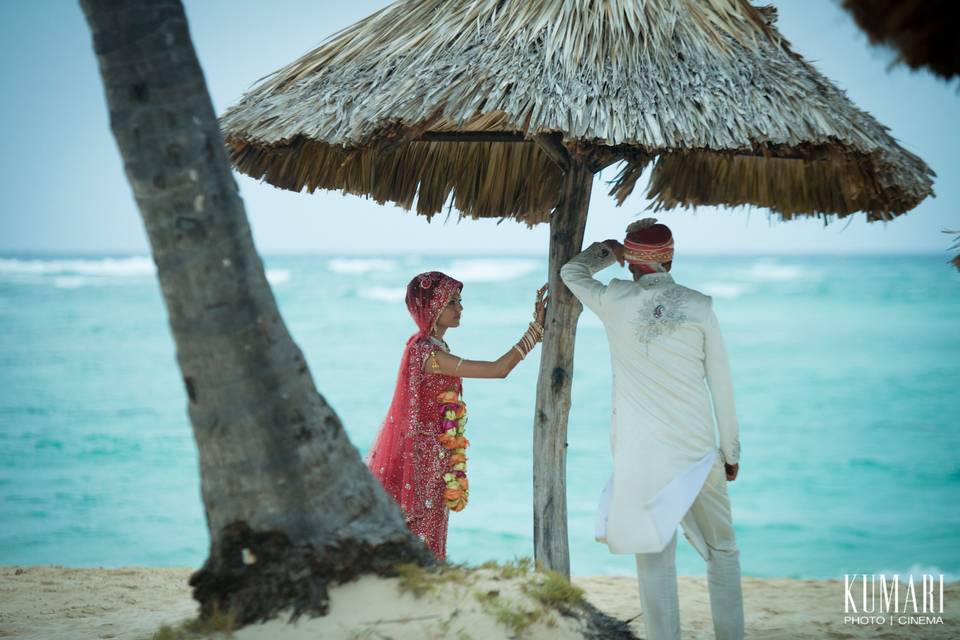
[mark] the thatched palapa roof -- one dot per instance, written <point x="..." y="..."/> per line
<point x="922" y="32"/>
<point x="469" y="101"/>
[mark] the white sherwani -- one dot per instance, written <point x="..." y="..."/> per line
<point x="665" y="347"/>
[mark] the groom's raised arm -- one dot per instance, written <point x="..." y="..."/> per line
<point x="578" y="274"/>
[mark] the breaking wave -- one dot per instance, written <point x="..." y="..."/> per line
<point x="491" y="270"/>
<point x="113" y="267"/>
<point x="359" y="266"/>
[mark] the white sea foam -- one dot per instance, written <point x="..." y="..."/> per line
<point x="83" y="272"/>
<point x="359" y="266"/>
<point x="113" y="267"/>
<point x="725" y="289"/>
<point x="491" y="270"/>
<point x="278" y="276"/>
<point x="383" y="294"/>
<point x="771" y="270"/>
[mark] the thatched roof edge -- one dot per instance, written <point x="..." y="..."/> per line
<point x="708" y="91"/>
<point x="921" y="32"/>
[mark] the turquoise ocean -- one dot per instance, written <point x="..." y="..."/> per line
<point x="846" y="374"/>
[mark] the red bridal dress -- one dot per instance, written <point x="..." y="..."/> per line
<point x="406" y="456"/>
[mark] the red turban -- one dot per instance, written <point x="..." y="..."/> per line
<point x="648" y="241"/>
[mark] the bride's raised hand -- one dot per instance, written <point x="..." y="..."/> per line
<point x="540" y="307"/>
<point x="448" y="364"/>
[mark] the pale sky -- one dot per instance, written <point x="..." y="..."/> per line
<point x="65" y="191"/>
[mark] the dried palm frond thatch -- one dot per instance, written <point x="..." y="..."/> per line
<point x="922" y="32"/>
<point x="956" y="246"/>
<point x="480" y="103"/>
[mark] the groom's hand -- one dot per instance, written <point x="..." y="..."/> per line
<point x="617" y="249"/>
<point x="732" y="470"/>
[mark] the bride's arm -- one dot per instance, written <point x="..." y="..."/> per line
<point x="451" y="365"/>
<point x="447" y="364"/>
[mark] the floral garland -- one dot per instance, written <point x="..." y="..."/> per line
<point x="453" y="420"/>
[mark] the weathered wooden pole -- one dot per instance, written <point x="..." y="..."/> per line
<point x="550" y="545"/>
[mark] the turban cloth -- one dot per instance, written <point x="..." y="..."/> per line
<point x="647" y="242"/>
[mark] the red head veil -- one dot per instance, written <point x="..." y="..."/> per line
<point x="427" y="295"/>
<point x="390" y="458"/>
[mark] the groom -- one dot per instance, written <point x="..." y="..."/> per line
<point x="665" y="349"/>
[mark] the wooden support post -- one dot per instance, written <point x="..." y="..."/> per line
<point x="552" y="145"/>
<point x="550" y="545"/>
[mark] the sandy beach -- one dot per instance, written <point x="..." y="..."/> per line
<point x="60" y="603"/>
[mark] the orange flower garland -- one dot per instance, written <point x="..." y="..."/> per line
<point x="453" y="415"/>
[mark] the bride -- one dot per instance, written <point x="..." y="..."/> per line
<point x="419" y="455"/>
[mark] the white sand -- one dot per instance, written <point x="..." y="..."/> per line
<point x="59" y="603"/>
<point x="54" y="602"/>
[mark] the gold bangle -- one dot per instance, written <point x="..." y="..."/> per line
<point x="459" y="362"/>
<point x="520" y="351"/>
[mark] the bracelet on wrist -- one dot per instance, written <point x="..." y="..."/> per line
<point x="533" y="334"/>
<point x="529" y="339"/>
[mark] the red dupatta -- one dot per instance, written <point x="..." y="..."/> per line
<point x="413" y="410"/>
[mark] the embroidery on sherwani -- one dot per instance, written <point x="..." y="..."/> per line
<point x="661" y="314"/>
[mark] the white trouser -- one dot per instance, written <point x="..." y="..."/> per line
<point x="657" y="572"/>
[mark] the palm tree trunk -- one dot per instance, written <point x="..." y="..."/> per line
<point x="567" y="223"/>
<point x="289" y="503"/>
